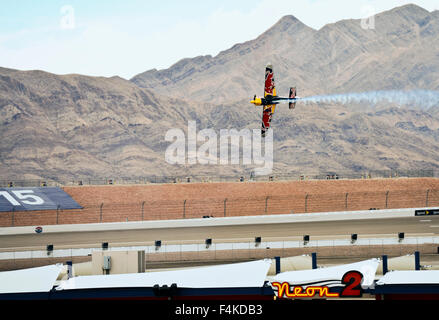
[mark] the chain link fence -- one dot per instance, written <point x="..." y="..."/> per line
<point x="227" y="207"/>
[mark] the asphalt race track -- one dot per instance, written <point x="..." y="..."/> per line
<point x="367" y="228"/>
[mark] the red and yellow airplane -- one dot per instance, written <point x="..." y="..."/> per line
<point x="270" y="99"/>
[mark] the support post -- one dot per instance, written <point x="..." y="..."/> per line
<point x="277" y="259"/>
<point x="225" y="201"/>
<point x="387" y="198"/>
<point x="266" y="204"/>
<point x="306" y="203"/>
<point x="385" y="269"/>
<point x="57" y="213"/>
<point x="184" y="209"/>
<point x="100" y="212"/>
<point x="426" y="198"/>
<point x="69" y="269"/>
<point x="143" y="209"/>
<point x="417" y="261"/>
<point x="314" y="260"/>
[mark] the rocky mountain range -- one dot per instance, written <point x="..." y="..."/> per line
<point x="74" y="126"/>
<point x="400" y="52"/>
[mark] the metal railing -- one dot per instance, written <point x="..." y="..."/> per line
<point x="275" y="176"/>
<point x="368" y="247"/>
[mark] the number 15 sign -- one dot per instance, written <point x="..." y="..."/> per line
<point x="46" y="198"/>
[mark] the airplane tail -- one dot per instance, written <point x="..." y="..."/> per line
<point x="292" y="95"/>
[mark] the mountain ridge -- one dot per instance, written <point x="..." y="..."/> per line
<point x="75" y="126"/>
<point x="307" y="57"/>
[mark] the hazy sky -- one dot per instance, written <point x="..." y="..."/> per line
<point x="109" y="37"/>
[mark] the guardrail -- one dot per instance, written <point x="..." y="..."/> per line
<point x="248" y="250"/>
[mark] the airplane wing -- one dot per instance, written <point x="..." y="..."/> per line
<point x="270" y="89"/>
<point x="267" y="113"/>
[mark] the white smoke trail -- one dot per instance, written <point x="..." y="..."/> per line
<point x="421" y="98"/>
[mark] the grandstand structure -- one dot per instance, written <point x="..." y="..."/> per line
<point x="186" y="200"/>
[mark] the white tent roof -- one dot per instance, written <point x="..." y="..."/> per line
<point x="41" y="279"/>
<point x="410" y="277"/>
<point x="330" y="275"/>
<point x="246" y="274"/>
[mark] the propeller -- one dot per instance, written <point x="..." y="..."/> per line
<point x="254" y="98"/>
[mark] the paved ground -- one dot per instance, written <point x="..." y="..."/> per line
<point x="367" y="228"/>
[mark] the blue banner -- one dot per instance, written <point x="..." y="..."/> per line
<point x="45" y="198"/>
